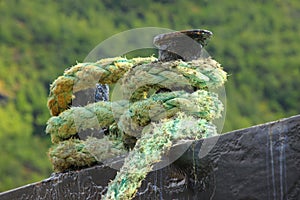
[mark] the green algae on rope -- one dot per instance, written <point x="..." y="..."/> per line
<point x="86" y="75"/>
<point x="201" y="73"/>
<point x="131" y="117"/>
<point x="173" y="75"/>
<point x="156" y="121"/>
<point x="149" y="149"/>
<point x="75" y="153"/>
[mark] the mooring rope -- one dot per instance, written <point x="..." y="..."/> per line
<point x="86" y="75"/>
<point x="149" y="149"/>
<point x="201" y="104"/>
<point x="164" y="102"/>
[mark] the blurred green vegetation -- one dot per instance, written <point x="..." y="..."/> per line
<point x="257" y="43"/>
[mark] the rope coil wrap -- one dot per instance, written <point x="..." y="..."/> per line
<point x="163" y="102"/>
<point x="85" y="75"/>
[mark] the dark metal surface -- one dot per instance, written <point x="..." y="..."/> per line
<point x="186" y="45"/>
<point x="257" y="163"/>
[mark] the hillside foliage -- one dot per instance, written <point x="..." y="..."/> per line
<point x="257" y="43"/>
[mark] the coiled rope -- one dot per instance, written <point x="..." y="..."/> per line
<point x="163" y="102"/>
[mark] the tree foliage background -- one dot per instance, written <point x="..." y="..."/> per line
<point x="257" y="42"/>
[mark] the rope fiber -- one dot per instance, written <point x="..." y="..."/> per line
<point x="161" y="103"/>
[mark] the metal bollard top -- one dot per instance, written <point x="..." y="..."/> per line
<point x="185" y="45"/>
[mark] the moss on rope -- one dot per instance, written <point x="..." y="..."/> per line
<point x="202" y="73"/>
<point x="86" y="75"/>
<point x="173" y="75"/>
<point x="131" y="118"/>
<point x="70" y="154"/>
<point x="163" y="102"/>
<point x="75" y="153"/>
<point x="149" y="149"/>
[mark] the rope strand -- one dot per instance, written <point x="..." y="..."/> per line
<point x="163" y="102"/>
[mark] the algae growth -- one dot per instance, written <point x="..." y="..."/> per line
<point x="165" y="102"/>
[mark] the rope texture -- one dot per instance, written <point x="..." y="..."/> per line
<point x="162" y="103"/>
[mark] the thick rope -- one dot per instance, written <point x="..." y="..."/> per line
<point x="86" y="75"/>
<point x="75" y="153"/>
<point x="130" y="118"/>
<point x="173" y="75"/>
<point x="149" y="150"/>
<point x="155" y="121"/>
